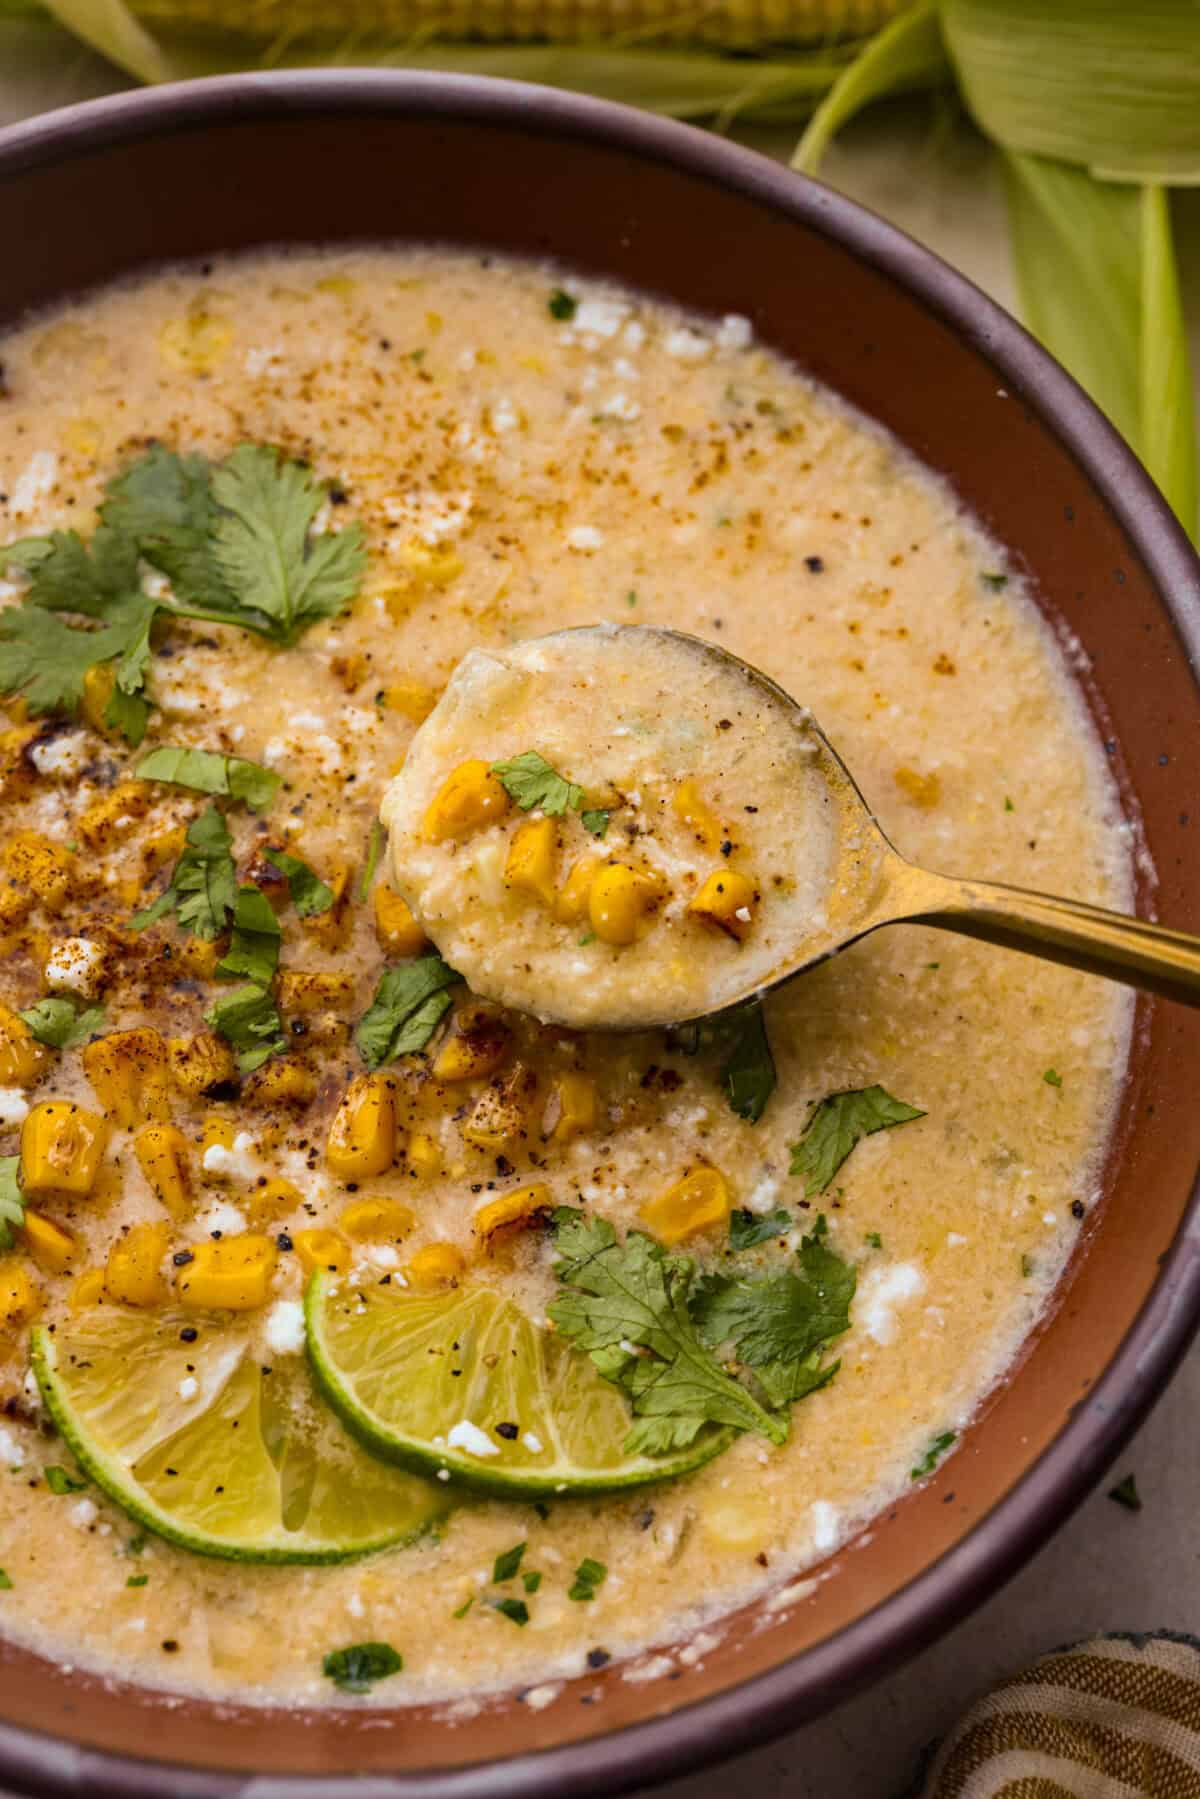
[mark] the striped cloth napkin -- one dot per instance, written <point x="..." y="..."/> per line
<point x="1113" y="1718"/>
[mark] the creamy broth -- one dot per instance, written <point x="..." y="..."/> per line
<point x="518" y="468"/>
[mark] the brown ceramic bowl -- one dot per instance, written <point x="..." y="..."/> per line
<point x="115" y="186"/>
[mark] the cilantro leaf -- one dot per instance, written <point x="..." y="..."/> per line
<point x="47" y="660"/>
<point x="356" y="1668"/>
<point x="203" y="889"/>
<point x="65" y="576"/>
<point x="508" y="1563"/>
<point x="561" y="305"/>
<point x="589" y="1575"/>
<point x="249" y="1019"/>
<point x="933" y="1454"/>
<point x="206" y="771"/>
<point x="530" y="781"/>
<point x="60" y="1482"/>
<point x="254" y="949"/>
<point x="55" y="1022"/>
<point x="163" y="505"/>
<point x="12" y="1200"/>
<point x="1126" y="1493"/>
<point x="748" y="1073"/>
<point x="747" y="1230"/>
<point x="309" y="893"/>
<point x="838" y="1123"/>
<point x="409" y="1002"/>
<point x="263" y="547"/>
<point x="595" y="822"/>
<point x="617" y="1294"/>
<point x="514" y="1609"/>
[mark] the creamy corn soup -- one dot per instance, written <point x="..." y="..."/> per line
<point x="605" y="1333"/>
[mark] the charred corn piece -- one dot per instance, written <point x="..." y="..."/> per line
<point x="41" y="866"/>
<point x="197" y="957"/>
<point x="362" y="1137"/>
<point x="696" y="1203"/>
<point x="233" y="1275"/>
<point x="281" y="1083"/>
<point x="574" y="1107"/>
<point x="437" y="1265"/>
<point x="133" y="1274"/>
<point x="424" y="1155"/>
<point x="696" y="817"/>
<point x="62" y="1146"/>
<point x="20" y="1295"/>
<point x="437" y="564"/>
<point x="468" y="799"/>
<point x="521" y="1209"/>
<point x="322" y="1249"/>
<point x="201" y="1063"/>
<point x="619" y="901"/>
<point x="218" y="1132"/>
<point x="162" y="1153"/>
<point x="414" y="700"/>
<point x="376" y="1220"/>
<point x="88" y="1290"/>
<point x="52" y="1247"/>
<point x="571" y="900"/>
<point x="532" y="854"/>
<point x="329" y="927"/>
<point x="23" y="1059"/>
<point x="273" y="1198"/>
<point x="128" y="1072"/>
<point x="727" y="901"/>
<point x="396" y="928"/>
<point x="115" y="816"/>
<point x="478" y="1046"/>
<point x="315" y="990"/>
<point x="166" y="846"/>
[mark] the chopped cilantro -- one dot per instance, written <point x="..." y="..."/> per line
<point x="1125" y="1493"/>
<point x="746" y="1229"/>
<point x="309" y="893"/>
<point x="374" y="846"/>
<point x="409" y="1003"/>
<point x="748" y="1073"/>
<point x="873" y="1240"/>
<point x="253" y="952"/>
<point x="631" y="598"/>
<point x="530" y="781"/>
<point x="203" y="889"/>
<point x="1052" y="1078"/>
<point x="589" y="1575"/>
<point x="837" y="1124"/>
<point x="5" y="1582"/>
<point x="55" y="1022"/>
<point x="248" y="1018"/>
<point x="561" y="306"/>
<point x="994" y="583"/>
<point x="464" y="1608"/>
<point x="1008" y="805"/>
<point x="136" y="1544"/>
<point x="1028" y="1267"/>
<point x="507" y="1564"/>
<point x="595" y="822"/>
<point x="206" y="771"/>
<point x="588" y="937"/>
<point x="60" y="1482"/>
<point x="138" y="1580"/>
<point x="12" y="1200"/>
<point x="516" y="1609"/>
<point x="531" y="1581"/>
<point x="934" y="1454"/>
<point x="356" y="1668"/>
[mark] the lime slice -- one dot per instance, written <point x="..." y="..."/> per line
<point x="203" y="1446"/>
<point x="463" y="1383"/>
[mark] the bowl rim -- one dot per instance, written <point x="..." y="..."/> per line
<point x="754" y="1711"/>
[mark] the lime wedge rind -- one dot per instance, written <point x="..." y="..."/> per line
<point x="560" y="1478"/>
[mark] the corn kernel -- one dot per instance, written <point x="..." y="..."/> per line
<point x="198" y="958"/>
<point x="396" y="928"/>
<point x="195" y="343"/>
<point x="88" y="1290"/>
<point x="315" y="990"/>
<point x="233" y="1275"/>
<point x="114" y="816"/>
<point x="167" y="846"/>
<point x="128" y="1072"/>
<point x="20" y="1297"/>
<point x="362" y="1136"/>
<point x="319" y="1249"/>
<point x="350" y="670"/>
<point x="15" y="907"/>
<point x="479" y="1045"/>
<point x="923" y="790"/>
<point x="522" y="1207"/>
<point x="438" y="566"/>
<point x="728" y="901"/>
<point x="414" y="700"/>
<point x="62" y="1146"/>
<point x="620" y="898"/>
<point x="696" y="816"/>
<point x="133" y="1273"/>
<point x="41" y="866"/>
<point x="218" y="1133"/>
<point x="281" y="1083"/>
<point x="469" y="798"/>
<point x="22" y="1058"/>
<point x="437" y="1265"/>
<point x="700" y="1200"/>
<point x="571" y="901"/>
<point x="52" y="1247"/>
<point x="273" y="1198"/>
<point x="161" y="1151"/>
<point x="424" y="1155"/>
<point x="575" y="1104"/>
<point x="531" y="858"/>
<point x="329" y="927"/>
<point x="376" y="1220"/>
<point x="200" y="1063"/>
<point x="98" y="684"/>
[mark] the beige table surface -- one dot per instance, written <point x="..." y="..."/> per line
<point x="1107" y="1569"/>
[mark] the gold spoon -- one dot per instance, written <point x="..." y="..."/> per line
<point x="873" y="885"/>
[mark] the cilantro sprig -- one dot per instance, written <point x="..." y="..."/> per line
<point x="529" y="781"/>
<point x="840" y="1122"/>
<point x="57" y="1023"/>
<point x="410" y="1002"/>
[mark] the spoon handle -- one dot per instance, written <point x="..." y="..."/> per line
<point x="1150" y="956"/>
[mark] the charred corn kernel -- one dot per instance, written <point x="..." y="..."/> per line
<point x="531" y="858"/>
<point x="396" y="928"/>
<point x="923" y="790"/>
<point x="200" y="1063"/>
<point x="362" y="1137"/>
<point x="727" y="900"/>
<point x="62" y="1146"/>
<point x="619" y="899"/>
<point x="52" y="1247"/>
<point x="88" y="1290"/>
<point x="133" y="1274"/>
<point x="478" y="1046"/>
<point x="41" y="866"/>
<point x="168" y="846"/>
<point x="22" y="1058"/>
<point x="577" y="1111"/>
<point x="218" y="1132"/>
<point x="98" y="686"/>
<point x="20" y="1296"/>
<point x="437" y="1265"/>
<point x="195" y="343"/>
<point x="436" y="564"/>
<point x="696" y="817"/>
<point x="469" y="798"/>
<point x="233" y="1275"/>
<point x="162" y="1153"/>
<point x="15" y="906"/>
<point x="322" y="1249"/>
<point x="315" y="990"/>
<point x="329" y="927"/>
<point x="424" y="1155"/>
<point x="281" y="1083"/>
<point x="110" y="1185"/>
<point x="500" y="1116"/>
<point x="571" y="900"/>
<point x="414" y="700"/>
<point x="128" y="1072"/>
<point x="700" y="1200"/>
<point x="115" y="816"/>
<point x="523" y="1207"/>
<point x="273" y="1198"/>
<point x="350" y="670"/>
<point x="197" y="958"/>
<point x="376" y="1220"/>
